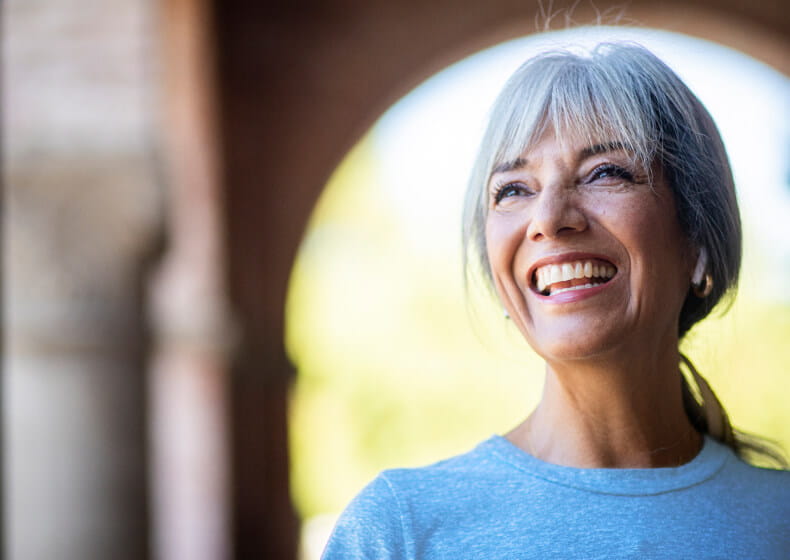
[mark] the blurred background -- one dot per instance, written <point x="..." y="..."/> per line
<point x="232" y="287"/>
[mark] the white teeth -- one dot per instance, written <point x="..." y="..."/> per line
<point x="541" y="279"/>
<point x="554" y="273"/>
<point x="585" y="286"/>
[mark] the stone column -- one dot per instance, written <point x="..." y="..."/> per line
<point x="81" y="225"/>
<point x="193" y="331"/>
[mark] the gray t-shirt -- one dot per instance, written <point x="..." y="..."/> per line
<point x="498" y="502"/>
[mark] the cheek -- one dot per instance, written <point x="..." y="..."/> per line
<point x="503" y="238"/>
<point x="658" y="249"/>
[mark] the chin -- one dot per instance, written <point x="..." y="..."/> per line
<point x="556" y="345"/>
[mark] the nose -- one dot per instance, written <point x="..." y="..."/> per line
<point x="555" y="213"/>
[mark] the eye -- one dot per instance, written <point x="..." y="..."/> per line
<point x="510" y="190"/>
<point x="610" y="171"/>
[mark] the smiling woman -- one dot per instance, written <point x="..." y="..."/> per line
<point x="602" y="210"/>
<point x="569" y="209"/>
<point x="621" y="164"/>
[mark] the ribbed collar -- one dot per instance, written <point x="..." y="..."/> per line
<point x="624" y="482"/>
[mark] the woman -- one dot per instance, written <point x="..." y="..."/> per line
<point x="602" y="210"/>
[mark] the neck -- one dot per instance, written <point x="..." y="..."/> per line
<point x="609" y="413"/>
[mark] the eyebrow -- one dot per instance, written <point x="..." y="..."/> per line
<point x="519" y="163"/>
<point x="602" y="148"/>
<point x="506" y="166"/>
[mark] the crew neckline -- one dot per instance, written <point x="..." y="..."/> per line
<point x="625" y="482"/>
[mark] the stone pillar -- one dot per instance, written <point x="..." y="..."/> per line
<point x="193" y="331"/>
<point x="81" y="225"/>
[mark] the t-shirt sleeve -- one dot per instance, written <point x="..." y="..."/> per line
<point x="371" y="527"/>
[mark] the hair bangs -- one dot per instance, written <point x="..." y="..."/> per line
<point x="581" y="101"/>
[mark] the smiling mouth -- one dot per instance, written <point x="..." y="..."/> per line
<point x="553" y="279"/>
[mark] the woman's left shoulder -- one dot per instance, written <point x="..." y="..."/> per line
<point x="768" y="483"/>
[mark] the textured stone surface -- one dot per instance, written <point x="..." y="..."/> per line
<point x="81" y="224"/>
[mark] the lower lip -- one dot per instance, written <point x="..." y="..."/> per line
<point x="574" y="295"/>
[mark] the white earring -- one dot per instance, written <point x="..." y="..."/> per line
<point x="702" y="265"/>
<point x="702" y="280"/>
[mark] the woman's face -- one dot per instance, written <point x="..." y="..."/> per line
<point x="586" y="254"/>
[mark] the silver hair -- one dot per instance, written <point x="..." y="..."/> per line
<point x="623" y="92"/>
<point x="619" y="91"/>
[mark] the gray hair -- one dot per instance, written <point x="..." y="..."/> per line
<point x="622" y="91"/>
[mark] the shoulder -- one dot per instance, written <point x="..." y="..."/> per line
<point x="370" y="527"/>
<point x="744" y="474"/>
<point x="771" y="484"/>
<point x="758" y="495"/>
<point x="478" y="462"/>
<point x="381" y="521"/>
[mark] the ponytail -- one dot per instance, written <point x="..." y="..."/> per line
<point x="708" y="416"/>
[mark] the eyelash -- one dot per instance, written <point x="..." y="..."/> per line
<point x="501" y="191"/>
<point x="613" y="170"/>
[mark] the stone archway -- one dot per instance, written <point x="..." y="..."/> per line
<point x="299" y="84"/>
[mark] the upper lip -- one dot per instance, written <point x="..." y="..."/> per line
<point x="560" y="258"/>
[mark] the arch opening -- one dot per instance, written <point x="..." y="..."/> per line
<point x="391" y="373"/>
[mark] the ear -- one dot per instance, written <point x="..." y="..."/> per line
<point x="701" y="267"/>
